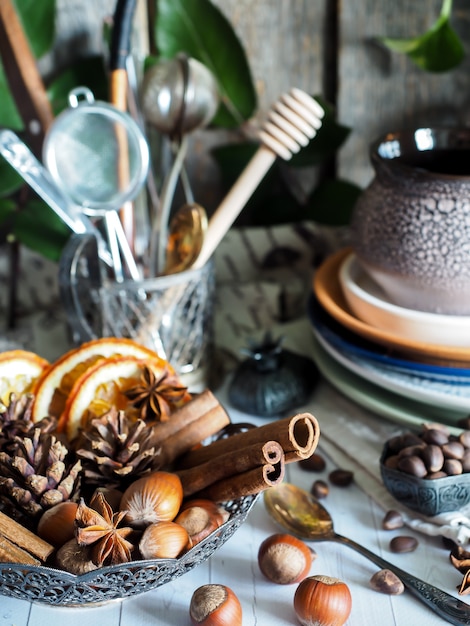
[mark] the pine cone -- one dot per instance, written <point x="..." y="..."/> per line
<point x="115" y="450"/>
<point x="15" y="420"/>
<point x="37" y="474"/>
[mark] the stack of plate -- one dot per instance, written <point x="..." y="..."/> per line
<point x="408" y="366"/>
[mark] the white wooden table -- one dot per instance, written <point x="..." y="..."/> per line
<point x="264" y="603"/>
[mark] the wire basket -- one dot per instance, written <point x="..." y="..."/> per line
<point x="59" y="588"/>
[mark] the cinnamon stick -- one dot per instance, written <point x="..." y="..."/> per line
<point x="246" y="484"/>
<point x="198" y="419"/>
<point x="190" y="411"/>
<point x="298" y="436"/>
<point x="237" y="461"/>
<point x="17" y="542"/>
<point x="11" y="553"/>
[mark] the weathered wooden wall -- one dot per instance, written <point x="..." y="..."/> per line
<point x="292" y="42"/>
<point x="379" y="91"/>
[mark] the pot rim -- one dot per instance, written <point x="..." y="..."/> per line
<point x="412" y="141"/>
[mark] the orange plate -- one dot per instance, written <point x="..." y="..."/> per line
<point x="329" y="293"/>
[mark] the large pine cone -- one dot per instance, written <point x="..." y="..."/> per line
<point x="16" y="421"/>
<point x="116" y="450"/>
<point x="37" y="475"/>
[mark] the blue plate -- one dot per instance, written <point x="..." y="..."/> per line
<point x="346" y="341"/>
<point x="397" y="409"/>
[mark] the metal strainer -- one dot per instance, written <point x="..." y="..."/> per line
<point x="99" y="157"/>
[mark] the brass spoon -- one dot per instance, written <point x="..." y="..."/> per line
<point x="298" y="512"/>
<point x="186" y="235"/>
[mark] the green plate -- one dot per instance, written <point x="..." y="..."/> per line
<point x="385" y="403"/>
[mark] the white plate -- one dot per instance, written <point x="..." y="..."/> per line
<point x="440" y="394"/>
<point x="370" y="304"/>
<point x="346" y="341"/>
<point x="384" y="403"/>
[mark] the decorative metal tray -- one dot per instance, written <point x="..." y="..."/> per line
<point x="59" y="588"/>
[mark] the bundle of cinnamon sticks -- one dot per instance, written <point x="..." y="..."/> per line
<point x="242" y="464"/>
<point x="20" y="545"/>
<point x="231" y="467"/>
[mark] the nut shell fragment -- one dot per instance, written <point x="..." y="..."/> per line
<point x="385" y="581"/>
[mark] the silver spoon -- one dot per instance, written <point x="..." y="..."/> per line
<point x="185" y="237"/>
<point x="299" y="513"/>
<point x="179" y="95"/>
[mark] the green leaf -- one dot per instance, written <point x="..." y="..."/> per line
<point x="438" y="50"/>
<point x="7" y="209"/>
<point x="199" y="29"/>
<point x="332" y="202"/>
<point x="10" y="181"/>
<point x="87" y="72"/>
<point x="38" y="227"/>
<point x="329" y="138"/>
<point x="9" y="116"/>
<point x="38" y="19"/>
<point x="276" y="208"/>
<point x="231" y="159"/>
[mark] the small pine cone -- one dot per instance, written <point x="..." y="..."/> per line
<point x="37" y="475"/>
<point x="15" y="420"/>
<point x="115" y="450"/>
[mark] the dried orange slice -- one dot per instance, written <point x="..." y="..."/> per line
<point x="19" y="372"/>
<point x="53" y="388"/>
<point x="104" y="385"/>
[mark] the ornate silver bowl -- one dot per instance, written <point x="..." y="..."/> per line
<point x="59" y="588"/>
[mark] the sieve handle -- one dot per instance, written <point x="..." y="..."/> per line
<point x="20" y="157"/>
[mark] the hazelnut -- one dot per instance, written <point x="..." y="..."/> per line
<point x="74" y="558"/>
<point x="284" y="559"/>
<point x="163" y="540"/>
<point x="57" y="524"/>
<point x="153" y="498"/>
<point x="198" y="522"/>
<point x="322" y="600"/>
<point x="215" y="605"/>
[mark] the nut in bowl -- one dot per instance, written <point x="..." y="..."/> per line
<point x="59" y="588"/>
<point x="428" y="472"/>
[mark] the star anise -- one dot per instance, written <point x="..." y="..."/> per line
<point x="460" y="559"/>
<point x="156" y="398"/>
<point x="97" y="526"/>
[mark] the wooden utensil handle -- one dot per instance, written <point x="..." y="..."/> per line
<point x="118" y="87"/>
<point x="234" y="201"/>
<point x="23" y="76"/>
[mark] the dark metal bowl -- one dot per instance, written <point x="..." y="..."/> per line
<point x="427" y="496"/>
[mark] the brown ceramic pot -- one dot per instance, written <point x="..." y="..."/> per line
<point x="411" y="226"/>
